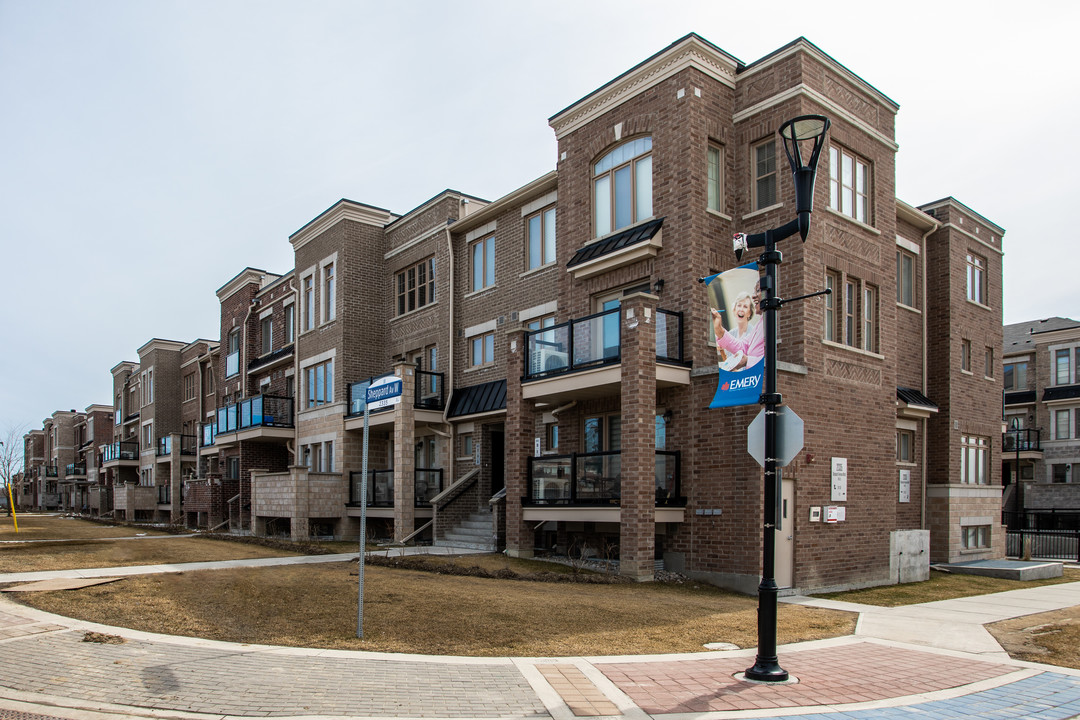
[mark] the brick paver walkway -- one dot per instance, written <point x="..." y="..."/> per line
<point x="856" y="673"/>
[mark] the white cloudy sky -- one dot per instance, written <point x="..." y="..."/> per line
<point x="149" y="150"/>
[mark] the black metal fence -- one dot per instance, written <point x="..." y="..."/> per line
<point x="1044" y="544"/>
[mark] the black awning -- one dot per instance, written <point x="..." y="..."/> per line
<point x="1021" y="397"/>
<point x="914" y="397"/>
<point x="476" y="399"/>
<point x="618" y="241"/>
<point x="271" y="358"/>
<point x="1061" y="393"/>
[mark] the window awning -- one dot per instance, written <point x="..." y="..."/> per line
<point x="1021" y="397"/>
<point x="913" y="403"/>
<point x="618" y="241"/>
<point x="478" y="399"/>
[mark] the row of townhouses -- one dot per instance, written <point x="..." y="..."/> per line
<point x="557" y="365"/>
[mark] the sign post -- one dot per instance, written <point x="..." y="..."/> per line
<point x="383" y="392"/>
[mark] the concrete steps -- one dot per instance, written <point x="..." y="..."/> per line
<point x="474" y="534"/>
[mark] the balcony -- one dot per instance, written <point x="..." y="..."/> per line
<point x="206" y="434"/>
<point x="427" y="483"/>
<point x="592" y="481"/>
<point x="121" y="453"/>
<point x="1026" y="442"/>
<point x="75" y="470"/>
<point x="188" y="445"/>
<point x="50" y="471"/>
<point x="163" y="494"/>
<point x="580" y="358"/>
<point x="260" y="418"/>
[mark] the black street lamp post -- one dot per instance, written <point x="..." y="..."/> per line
<point x="802" y="135"/>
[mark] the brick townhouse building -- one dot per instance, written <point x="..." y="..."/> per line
<point x="1041" y="375"/>
<point x="556" y="362"/>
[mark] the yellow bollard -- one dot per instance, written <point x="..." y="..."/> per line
<point x="11" y="505"/>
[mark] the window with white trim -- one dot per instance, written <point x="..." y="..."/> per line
<point x="290" y="323"/>
<point x="622" y="186"/>
<point x="1061" y="424"/>
<point x="905" y="443"/>
<point x="540" y="238"/>
<point x="965" y="355"/>
<point x="974" y="537"/>
<point x="308" y="300"/>
<point x="765" y="176"/>
<point x="974" y="460"/>
<point x="714" y="164"/>
<point x="849" y="184"/>
<point x="482" y="350"/>
<point x="319" y="383"/>
<point x="1015" y="376"/>
<point x="329" y="296"/>
<point x="905" y="278"/>
<point x="266" y="328"/>
<point x="482" y="263"/>
<point x="976" y="278"/>
<point x="851" y="311"/>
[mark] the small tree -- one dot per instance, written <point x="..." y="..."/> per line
<point x="11" y="460"/>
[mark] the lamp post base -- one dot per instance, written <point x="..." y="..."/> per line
<point x="765" y="671"/>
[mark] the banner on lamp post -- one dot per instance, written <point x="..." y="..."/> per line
<point x="737" y="331"/>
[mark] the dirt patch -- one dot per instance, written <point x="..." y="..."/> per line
<point x="104" y="639"/>
<point x="1050" y="637"/>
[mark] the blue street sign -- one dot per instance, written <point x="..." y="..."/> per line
<point x="383" y="392"/>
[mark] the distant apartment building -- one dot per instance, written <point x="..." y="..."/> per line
<point x="556" y="364"/>
<point x="1041" y="442"/>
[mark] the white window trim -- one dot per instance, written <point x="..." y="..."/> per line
<point x="312" y="273"/>
<point x="320" y="304"/>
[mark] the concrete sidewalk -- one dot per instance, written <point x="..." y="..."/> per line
<point x="895" y="666"/>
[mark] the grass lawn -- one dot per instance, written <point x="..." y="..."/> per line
<point x="424" y="612"/>
<point x="942" y="586"/>
<point x="65" y="544"/>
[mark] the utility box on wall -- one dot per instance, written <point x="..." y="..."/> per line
<point x="909" y="556"/>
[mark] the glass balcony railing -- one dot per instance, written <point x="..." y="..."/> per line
<point x="1022" y="440"/>
<point x="207" y="433"/>
<point x="358" y="395"/>
<point x="126" y="450"/>
<point x="188" y="445"/>
<point x="430" y="394"/>
<point x="427" y="483"/>
<point x="595" y="479"/>
<point x="594" y="341"/>
<point x="258" y="411"/>
<point x="74" y="469"/>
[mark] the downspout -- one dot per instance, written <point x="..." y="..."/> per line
<point x="448" y="386"/>
<point x="925" y="381"/>
<point x="243" y="349"/>
<point x="291" y="446"/>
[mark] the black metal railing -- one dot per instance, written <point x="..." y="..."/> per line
<point x="430" y="393"/>
<point x="257" y="411"/>
<point x="1043" y="544"/>
<point x="51" y="471"/>
<point x="593" y="341"/>
<point x="163" y="492"/>
<point x="427" y="483"/>
<point x="1048" y="520"/>
<point x="1021" y="440"/>
<point x="74" y="469"/>
<point x="592" y="479"/>
<point x="124" y="450"/>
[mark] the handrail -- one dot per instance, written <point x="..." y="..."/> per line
<point x="468" y="477"/>
<point x="417" y="531"/>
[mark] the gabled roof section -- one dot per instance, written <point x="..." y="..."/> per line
<point x="912" y="398"/>
<point x="950" y="200"/>
<point x="161" y="344"/>
<point x="543" y="184"/>
<point x="430" y="201"/>
<point x="1019" y="337"/>
<point x="245" y="277"/>
<point x="618" y="241"/>
<point x="343" y="209"/>
<point x="477" y="399"/>
<point x="689" y="51"/>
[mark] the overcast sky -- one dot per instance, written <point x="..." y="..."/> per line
<point x="153" y="149"/>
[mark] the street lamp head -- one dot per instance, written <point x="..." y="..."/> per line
<point x="803" y="137"/>
<point x="739" y="241"/>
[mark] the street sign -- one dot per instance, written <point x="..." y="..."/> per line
<point x="384" y="392"/>
<point x="789" y="436"/>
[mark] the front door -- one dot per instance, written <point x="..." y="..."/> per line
<point x="785" y="536"/>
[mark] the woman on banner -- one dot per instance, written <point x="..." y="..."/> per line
<point x="743" y="338"/>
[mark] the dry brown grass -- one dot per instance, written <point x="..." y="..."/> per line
<point x="65" y="544"/>
<point x="942" y="586"/>
<point x="1052" y="637"/>
<point x="421" y="612"/>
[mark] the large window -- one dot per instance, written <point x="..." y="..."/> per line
<point x="765" y="179"/>
<point x="482" y="350"/>
<point x="976" y="278"/>
<point x="851" y="311"/>
<point x="715" y="166"/>
<point x="541" y="238"/>
<point x="1016" y="376"/>
<point x="603" y="432"/>
<point x="416" y="286"/>
<point x="328" y="294"/>
<point x="622" y="186"/>
<point x="189" y="386"/>
<point x="974" y="461"/>
<point x="482" y="258"/>
<point x="849" y="183"/>
<point x="1061" y="424"/>
<point x="975" y="536"/>
<point x="1066" y="370"/>
<point x="905" y="278"/>
<point x="319" y="380"/>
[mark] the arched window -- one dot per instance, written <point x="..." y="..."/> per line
<point x="622" y="186"/>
